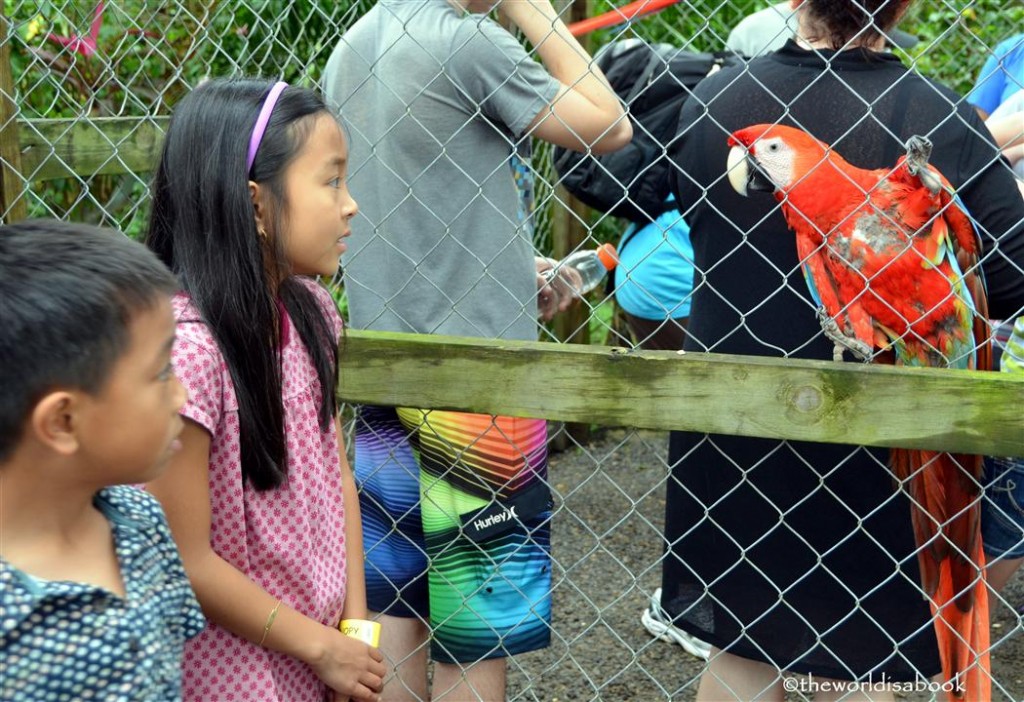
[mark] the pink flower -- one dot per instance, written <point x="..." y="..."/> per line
<point x="86" y="46"/>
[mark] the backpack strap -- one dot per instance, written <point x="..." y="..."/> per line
<point x="644" y="79"/>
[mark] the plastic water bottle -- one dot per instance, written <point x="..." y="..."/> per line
<point x="592" y="265"/>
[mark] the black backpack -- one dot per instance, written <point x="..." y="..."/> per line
<point x="653" y="80"/>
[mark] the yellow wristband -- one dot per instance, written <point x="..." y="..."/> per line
<point x="270" y="622"/>
<point x="362" y="629"/>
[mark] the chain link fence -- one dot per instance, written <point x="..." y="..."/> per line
<point x="87" y="90"/>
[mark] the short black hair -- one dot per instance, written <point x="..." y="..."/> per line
<point x="68" y="293"/>
<point x="843" y="21"/>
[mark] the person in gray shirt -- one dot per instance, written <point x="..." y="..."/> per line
<point x="437" y="98"/>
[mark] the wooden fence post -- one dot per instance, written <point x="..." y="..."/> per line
<point x="13" y="205"/>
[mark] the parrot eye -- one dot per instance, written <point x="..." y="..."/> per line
<point x="773" y="147"/>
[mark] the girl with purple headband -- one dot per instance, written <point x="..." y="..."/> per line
<point x="250" y="205"/>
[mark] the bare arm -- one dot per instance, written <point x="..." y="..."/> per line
<point x="1007" y="131"/>
<point x="585" y="113"/>
<point x="355" y="592"/>
<point x="233" y="601"/>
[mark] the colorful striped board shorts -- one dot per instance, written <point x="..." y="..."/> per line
<point x="456" y="527"/>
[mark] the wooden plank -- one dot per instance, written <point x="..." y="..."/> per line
<point x="13" y="205"/>
<point x="938" y="409"/>
<point x="62" y="148"/>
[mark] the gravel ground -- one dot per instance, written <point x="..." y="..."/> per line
<point x="606" y="547"/>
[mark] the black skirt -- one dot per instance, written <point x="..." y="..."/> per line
<point x="798" y="555"/>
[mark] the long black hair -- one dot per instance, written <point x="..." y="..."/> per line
<point x="203" y="226"/>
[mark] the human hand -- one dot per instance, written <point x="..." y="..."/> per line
<point x="557" y="294"/>
<point x="353" y="670"/>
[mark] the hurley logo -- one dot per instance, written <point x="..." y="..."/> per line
<point x="499" y="517"/>
<point x="506" y="514"/>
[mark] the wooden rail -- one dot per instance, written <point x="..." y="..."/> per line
<point x="747" y="396"/>
<point x="63" y="148"/>
<point x="965" y="411"/>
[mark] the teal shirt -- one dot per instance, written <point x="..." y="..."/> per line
<point x="654" y="278"/>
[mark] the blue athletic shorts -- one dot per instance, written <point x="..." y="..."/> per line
<point x="1002" y="512"/>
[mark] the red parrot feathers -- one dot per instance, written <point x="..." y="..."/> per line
<point x="892" y="258"/>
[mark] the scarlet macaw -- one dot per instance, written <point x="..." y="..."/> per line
<point x="892" y="259"/>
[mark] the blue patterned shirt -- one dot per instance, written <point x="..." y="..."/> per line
<point x="63" y="641"/>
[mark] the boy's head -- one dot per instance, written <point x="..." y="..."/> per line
<point x="85" y="333"/>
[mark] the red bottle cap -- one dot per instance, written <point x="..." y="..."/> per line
<point x="608" y="256"/>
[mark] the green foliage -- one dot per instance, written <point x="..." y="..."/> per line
<point x="290" y="39"/>
<point x="139" y="67"/>
<point x="701" y="25"/>
<point x="957" y="36"/>
<point x="149" y="54"/>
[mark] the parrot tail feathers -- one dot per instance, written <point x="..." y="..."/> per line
<point x="944" y="492"/>
<point x="927" y="513"/>
<point x="945" y="513"/>
<point x="963" y="637"/>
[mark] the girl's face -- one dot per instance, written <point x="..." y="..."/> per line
<point x="320" y="207"/>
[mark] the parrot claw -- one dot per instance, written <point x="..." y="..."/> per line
<point x="919" y="150"/>
<point x="841" y="340"/>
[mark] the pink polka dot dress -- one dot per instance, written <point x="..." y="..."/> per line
<point x="290" y="540"/>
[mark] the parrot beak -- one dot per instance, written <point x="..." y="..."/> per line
<point x="736" y="168"/>
<point x="745" y="173"/>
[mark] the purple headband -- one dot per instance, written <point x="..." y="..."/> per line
<point x="261" y="123"/>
